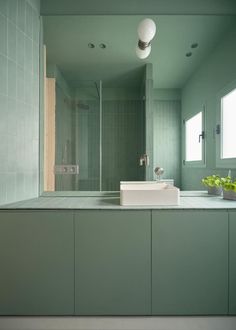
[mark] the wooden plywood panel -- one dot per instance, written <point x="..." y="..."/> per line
<point x="49" y="134"/>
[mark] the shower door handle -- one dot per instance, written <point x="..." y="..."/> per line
<point x="144" y="160"/>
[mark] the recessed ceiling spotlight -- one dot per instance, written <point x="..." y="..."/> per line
<point x="188" y="54"/>
<point x="194" y="45"/>
<point x="103" y="46"/>
<point x="90" y="45"/>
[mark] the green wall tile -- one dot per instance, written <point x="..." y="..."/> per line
<point x="35" y="4"/>
<point x="20" y="48"/>
<point x="12" y="114"/>
<point x="11" y="79"/>
<point x="21" y="15"/>
<point x="35" y="59"/>
<point x="29" y="21"/>
<point x="3" y="114"/>
<point x="12" y="10"/>
<point x="35" y="27"/>
<point x="11" y="186"/>
<point x="122" y="141"/>
<point x="20" y="84"/>
<point x="20" y="180"/>
<point x="3" y="7"/>
<point x="28" y="54"/>
<point x="3" y="74"/>
<point x="11" y="153"/>
<point x="28" y="87"/>
<point x="166" y="139"/>
<point x="3" y="153"/>
<point x="3" y="187"/>
<point x="3" y="35"/>
<point x="11" y="41"/>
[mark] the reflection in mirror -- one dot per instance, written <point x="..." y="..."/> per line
<point x="100" y="87"/>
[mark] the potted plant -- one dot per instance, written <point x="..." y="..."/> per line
<point x="213" y="184"/>
<point x="229" y="188"/>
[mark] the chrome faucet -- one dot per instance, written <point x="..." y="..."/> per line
<point x="159" y="171"/>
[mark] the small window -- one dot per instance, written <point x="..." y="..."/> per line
<point x="228" y="120"/>
<point x="225" y="131"/>
<point x="194" y="136"/>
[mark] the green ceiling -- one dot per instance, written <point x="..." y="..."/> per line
<point x="137" y="7"/>
<point x="67" y="38"/>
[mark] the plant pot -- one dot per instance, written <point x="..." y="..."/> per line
<point x="214" y="190"/>
<point x="229" y="194"/>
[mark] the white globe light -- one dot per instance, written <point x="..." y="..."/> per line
<point x="143" y="53"/>
<point x="146" y="30"/>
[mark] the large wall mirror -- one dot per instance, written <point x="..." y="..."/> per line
<point x="95" y="88"/>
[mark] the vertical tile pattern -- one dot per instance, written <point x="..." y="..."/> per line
<point x="88" y="145"/>
<point x="166" y="138"/>
<point x="123" y="128"/>
<point x="19" y="99"/>
<point x="64" y="138"/>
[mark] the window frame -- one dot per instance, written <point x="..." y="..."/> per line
<point x="195" y="163"/>
<point x="227" y="163"/>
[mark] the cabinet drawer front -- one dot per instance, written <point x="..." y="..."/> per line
<point x="190" y="262"/>
<point x="113" y="266"/>
<point x="37" y="263"/>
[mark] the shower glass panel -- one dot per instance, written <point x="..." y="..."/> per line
<point x="99" y="136"/>
<point x="77" y="152"/>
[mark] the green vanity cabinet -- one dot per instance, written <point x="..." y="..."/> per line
<point x="36" y="263"/>
<point x="232" y="262"/>
<point x="190" y="262"/>
<point x="112" y="262"/>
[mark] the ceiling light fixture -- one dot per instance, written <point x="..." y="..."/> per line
<point x="146" y="32"/>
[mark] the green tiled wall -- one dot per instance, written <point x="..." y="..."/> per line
<point x="87" y="144"/>
<point x="65" y="141"/>
<point x="19" y="99"/>
<point x="122" y="138"/>
<point x="166" y="138"/>
<point x="122" y="142"/>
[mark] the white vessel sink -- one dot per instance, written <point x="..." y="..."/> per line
<point x="145" y="193"/>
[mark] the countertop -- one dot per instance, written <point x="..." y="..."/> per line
<point x="188" y="200"/>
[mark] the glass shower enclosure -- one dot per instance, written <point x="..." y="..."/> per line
<point x="99" y="137"/>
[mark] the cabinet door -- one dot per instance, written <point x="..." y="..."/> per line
<point x="189" y="262"/>
<point x="36" y="260"/>
<point x="112" y="262"/>
<point x="232" y="262"/>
